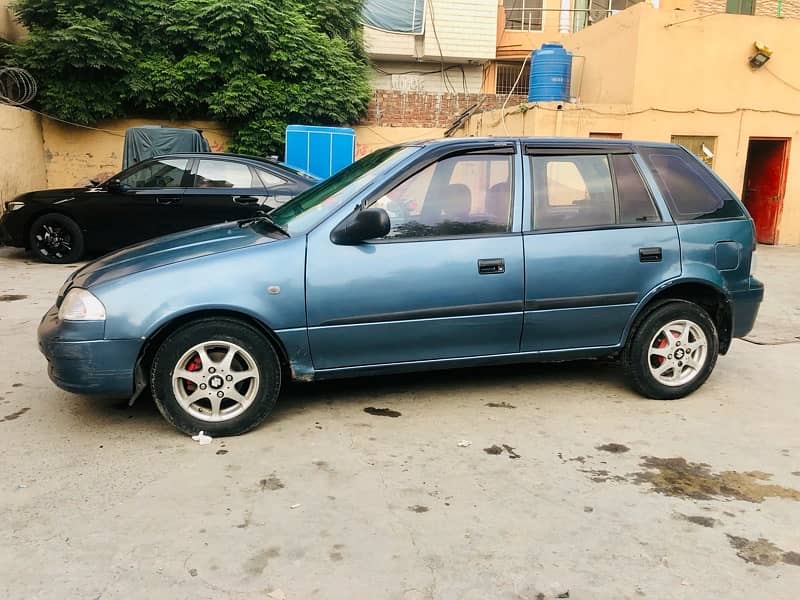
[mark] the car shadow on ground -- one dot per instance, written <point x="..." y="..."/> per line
<point x="489" y="383"/>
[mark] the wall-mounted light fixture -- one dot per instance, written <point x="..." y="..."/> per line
<point x="762" y="55"/>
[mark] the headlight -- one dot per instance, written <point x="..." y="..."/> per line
<point x="81" y="305"/>
<point x="14" y="205"/>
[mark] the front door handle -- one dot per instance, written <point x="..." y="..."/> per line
<point x="650" y="254"/>
<point x="245" y="199"/>
<point x="168" y="200"/>
<point x="491" y="266"/>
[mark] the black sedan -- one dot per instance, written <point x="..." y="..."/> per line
<point x="156" y="197"/>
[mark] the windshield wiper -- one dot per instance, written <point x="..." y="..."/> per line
<point x="263" y="219"/>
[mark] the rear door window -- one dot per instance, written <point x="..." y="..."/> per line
<point x="635" y="202"/>
<point x="572" y="192"/>
<point x="691" y="190"/>
<point x="224" y="174"/>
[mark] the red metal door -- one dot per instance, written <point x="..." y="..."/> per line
<point x="764" y="184"/>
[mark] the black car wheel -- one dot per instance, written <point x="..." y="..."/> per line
<point x="672" y="352"/>
<point x="216" y="375"/>
<point x="57" y="239"/>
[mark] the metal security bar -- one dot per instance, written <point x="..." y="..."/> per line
<point x="507" y="74"/>
<point x="528" y="15"/>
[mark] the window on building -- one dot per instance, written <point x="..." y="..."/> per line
<point x="703" y="147"/>
<point x="693" y="192"/>
<point x="459" y="195"/>
<point x="572" y="192"/>
<point x="523" y="15"/>
<point x="587" y="12"/>
<point x="606" y="134"/>
<point x="507" y="74"/>
<point x="740" y="7"/>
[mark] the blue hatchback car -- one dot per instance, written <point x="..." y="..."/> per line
<point x="449" y="253"/>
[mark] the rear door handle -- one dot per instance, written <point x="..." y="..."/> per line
<point x="168" y="200"/>
<point x="491" y="266"/>
<point x="650" y="255"/>
<point x="245" y="199"/>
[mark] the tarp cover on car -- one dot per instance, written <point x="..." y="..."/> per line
<point x="398" y="16"/>
<point x="146" y="142"/>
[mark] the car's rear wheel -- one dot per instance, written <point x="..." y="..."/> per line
<point x="55" y="238"/>
<point x="672" y="352"/>
<point x="217" y="375"/>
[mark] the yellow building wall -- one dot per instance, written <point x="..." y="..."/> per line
<point x="75" y="155"/>
<point x="22" y="164"/>
<point x="733" y="132"/>
<point x="10" y="29"/>
<point x="371" y="138"/>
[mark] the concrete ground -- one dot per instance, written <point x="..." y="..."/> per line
<point x="566" y="483"/>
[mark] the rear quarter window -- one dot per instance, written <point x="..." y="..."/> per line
<point x="692" y="192"/>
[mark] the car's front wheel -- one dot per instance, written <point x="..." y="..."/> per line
<point x="56" y="238"/>
<point x="672" y="352"/>
<point x="217" y="375"/>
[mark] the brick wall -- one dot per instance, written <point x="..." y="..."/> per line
<point x="391" y="108"/>
<point x="764" y="8"/>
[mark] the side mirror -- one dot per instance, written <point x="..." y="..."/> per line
<point x="115" y="186"/>
<point x="361" y="226"/>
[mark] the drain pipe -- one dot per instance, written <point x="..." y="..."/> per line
<point x="563" y="19"/>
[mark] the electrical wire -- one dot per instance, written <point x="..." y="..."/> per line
<point x="445" y="79"/>
<point x="781" y="79"/>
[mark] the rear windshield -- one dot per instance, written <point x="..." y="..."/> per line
<point x="692" y="191"/>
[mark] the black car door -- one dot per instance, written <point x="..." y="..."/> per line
<point x="279" y="189"/>
<point x="130" y="207"/>
<point x="221" y="190"/>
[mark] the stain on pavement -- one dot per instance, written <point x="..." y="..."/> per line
<point x="613" y="448"/>
<point x="677" y="477"/>
<point x="272" y="483"/>
<point x="15" y="415"/>
<point x="762" y="552"/>
<point x="12" y="297"/>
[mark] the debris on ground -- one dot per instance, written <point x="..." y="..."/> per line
<point x="381" y="412"/>
<point x="500" y="405"/>
<point x="464" y="444"/>
<point x="293" y="506"/>
<point x="202" y="439"/>
<point x="277" y="595"/>
<point x="495" y="450"/>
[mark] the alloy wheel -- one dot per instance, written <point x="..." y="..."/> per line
<point x="677" y="353"/>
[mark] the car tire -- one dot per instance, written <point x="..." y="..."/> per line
<point x="56" y="239"/>
<point x="198" y="385"/>
<point x="672" y="351"/>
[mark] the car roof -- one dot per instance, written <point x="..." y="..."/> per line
<point x="259" y="160"/>
<point x="543" y="142"/>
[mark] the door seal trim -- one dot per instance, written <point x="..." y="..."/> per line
<point x="465" y="310"/>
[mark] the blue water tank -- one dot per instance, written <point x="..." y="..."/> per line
<point x="551" y="74"/>
<point x="321" y="151"/>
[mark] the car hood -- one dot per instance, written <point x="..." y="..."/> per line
<point x="178" y="247"/>
<point x="51" y="196"/>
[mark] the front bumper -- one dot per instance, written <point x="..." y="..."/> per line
<point x="82" y="362"/>
<point x="745" y="305"/>
<point x="11" y="229"/>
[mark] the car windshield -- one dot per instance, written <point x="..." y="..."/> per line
<point x="309" y="208"/>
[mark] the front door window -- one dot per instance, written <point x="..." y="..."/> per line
<point x="157" y="174"/>
<point x="460" y="195"/>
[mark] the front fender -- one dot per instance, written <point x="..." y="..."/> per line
<point x="265" y="282"/>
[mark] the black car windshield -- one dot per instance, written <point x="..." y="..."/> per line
<point x="309" y="208"/>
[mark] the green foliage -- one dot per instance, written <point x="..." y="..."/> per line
<point x="255" y="65"/>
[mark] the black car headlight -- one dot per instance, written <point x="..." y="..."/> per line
<point x="13" y="205"/>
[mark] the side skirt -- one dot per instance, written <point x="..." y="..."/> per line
<point x="471" y="361"/>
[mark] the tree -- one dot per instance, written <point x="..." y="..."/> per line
<point x="255" y="65"/>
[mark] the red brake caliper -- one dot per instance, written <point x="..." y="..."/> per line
<point x="194" y="365"/>
<point x="662" y="343"/>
